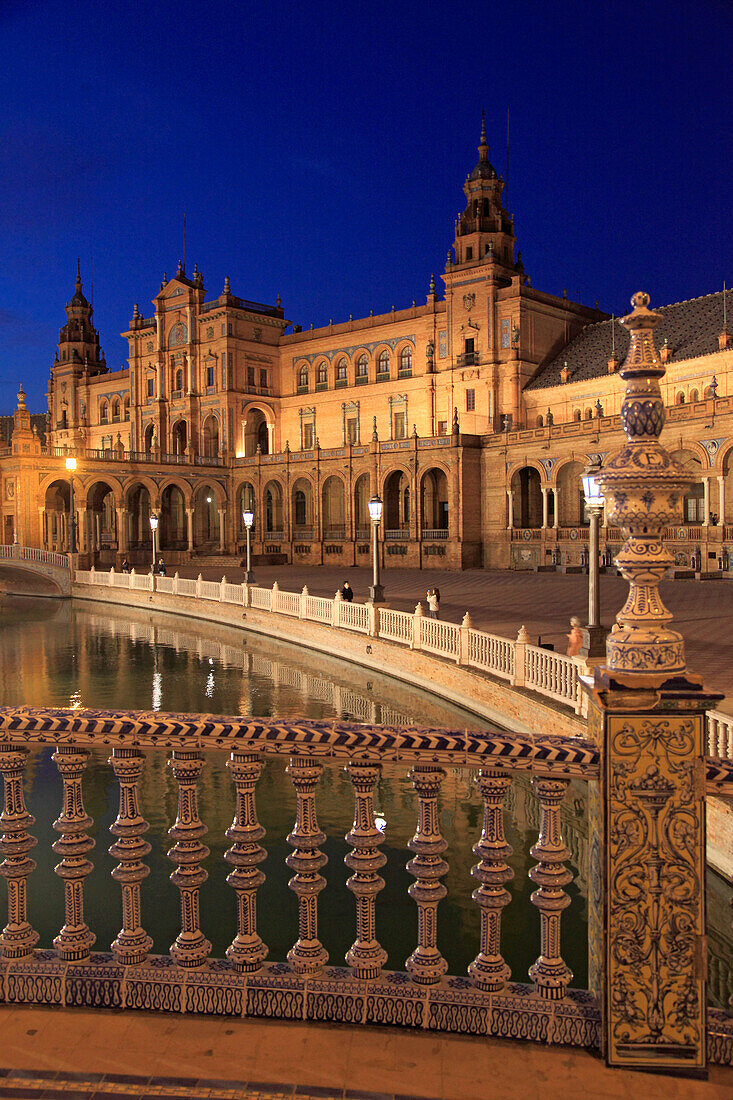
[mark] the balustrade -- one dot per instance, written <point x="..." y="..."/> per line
<point x="497" y="759"/>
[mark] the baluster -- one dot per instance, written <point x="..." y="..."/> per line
<point x="426" y="965"/>
<point x="18" y="937"/>
<point x="366" y="957"/>
<point x="247" y="951"/>
<point x="191" y="947"/>
<point x="550" y="972"/>
<point x="75" y="939"/>
<point x="488" y="970"/>
<point x="132" y="943"/>
<point x="307" y="956"/>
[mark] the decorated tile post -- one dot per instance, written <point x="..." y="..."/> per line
<point x="647" y="927"/>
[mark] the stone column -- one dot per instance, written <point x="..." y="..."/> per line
<point x="189" y="523"/>
<point x="721" y="500"/>
<point x="43" y="529"/>
<point x="706" y="501"/>
<point x="121" y="530"/>
<point x="545" y="492"/>
<point x="510" y="504"/>
<point x="222" y="529"/>
<point x="557" y="507"/>
<point x="82" y="540"/>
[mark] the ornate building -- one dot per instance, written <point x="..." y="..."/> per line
<point x="472" y="416"/>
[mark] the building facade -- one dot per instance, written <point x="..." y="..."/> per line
<point x="471" y="414"/>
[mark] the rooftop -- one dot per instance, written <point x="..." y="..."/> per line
<point x="690" y="329"/>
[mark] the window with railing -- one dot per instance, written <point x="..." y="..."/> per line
<point x="362" y="370"/>
<point x="383" y="365"/>
<point x="405" y="367"/>
<point x="341" y="375"/>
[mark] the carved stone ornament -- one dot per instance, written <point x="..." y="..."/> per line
<point x="469" y="301"/>
<point x="644" y="488"/>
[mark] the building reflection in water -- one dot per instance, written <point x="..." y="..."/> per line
<point x="62" y="655"/>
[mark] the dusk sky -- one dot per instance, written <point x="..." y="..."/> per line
<point x="319" y="152"/>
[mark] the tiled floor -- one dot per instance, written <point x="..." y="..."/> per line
<point x="83" y="1053"/>
<point x="543" y="602"/>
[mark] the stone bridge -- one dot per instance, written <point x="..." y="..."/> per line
<point x="28" y="571"/>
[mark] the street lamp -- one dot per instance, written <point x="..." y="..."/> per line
<point x="249" y="517"/>
<point x="153" y="528"/>
<point x="376" y="592"/>
<point x="594" y="635"/>
<point x="71" y="467"/>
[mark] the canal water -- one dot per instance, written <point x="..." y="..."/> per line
<point x="90" y="655"/>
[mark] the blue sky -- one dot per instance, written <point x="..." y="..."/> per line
<point x="319" y="152"/>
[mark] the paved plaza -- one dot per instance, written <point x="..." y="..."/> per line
<point x="501" y="602"/>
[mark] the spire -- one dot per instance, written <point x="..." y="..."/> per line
<point x="483" y="148"/>
<point x="21" y="398"/>
<point x="78" y="273"/>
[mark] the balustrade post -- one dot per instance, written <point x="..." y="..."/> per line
<point x="336" y="609"/>
<point x="426" y="965"/>
<point x="175" y="583"/>
<point x="307" y="956"/>
<point x="75" y="939"/>
<point x="199" y="582"/>
<point x="550" y="972"/>
<point x="132" y="943"/>
<point x="366" y="957"/>
<point x="489" y="971"/>
<point x="415" y="641"/>
<point x="222" y="589"/>
<point x="302" y="606"/>
<point x="247" y="951"/>
<point x="191" y="948"/>
<point x="464" y="640"/>
<point x="18" y="937"/>
<point x="520" y="656"/>
<point x="647" y="717"/>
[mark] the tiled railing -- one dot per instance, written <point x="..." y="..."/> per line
<point x="547" y="673"/>
<point x="124" y="975"/>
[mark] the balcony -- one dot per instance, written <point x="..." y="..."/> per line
<point x="335" y="533"/>
<point x="468" y="359"/>
<point x="397" y="534"/>
<point x="435" y="534"/>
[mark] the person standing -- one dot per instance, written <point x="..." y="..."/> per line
<point x="347" y="592"/>
<point x="575" y="637"/>
<point x="161" y="567"/>
<point x="433" y="603"/>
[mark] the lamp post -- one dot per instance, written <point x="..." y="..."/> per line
<point x="248" y="516"/>
<point x="153" y="528"/>
<point x="376" y="592"/>
<point x="594" y="635"/>
<point x="71" y="467"/>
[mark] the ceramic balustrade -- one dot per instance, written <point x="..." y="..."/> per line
<point x="190" y="741"/>
<point x="437" y="636"/>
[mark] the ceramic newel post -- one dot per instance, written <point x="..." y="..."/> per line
<point x="646" y="925"/>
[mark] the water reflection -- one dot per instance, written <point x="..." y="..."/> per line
<point x="84" y="655"/>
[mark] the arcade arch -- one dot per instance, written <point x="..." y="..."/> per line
<point x="334" y="508"/>
<point x="434" y="501"/>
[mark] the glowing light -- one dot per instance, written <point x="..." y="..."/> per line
<point x="210" y="685"/>
<point x="157" y="690"/>
<point x="75" y="701"/>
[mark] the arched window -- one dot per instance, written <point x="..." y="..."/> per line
<point x="680" y="400"/>
<point x="577" y="415"/>
<point x="406" y="361"/>
<point x="589" y="414"/>
<point x="540" y="421"/>
<point x="694" y="395"/>
<point x="362" y="367"/>
<point x="115" y="411"/>
<point x="303" y="378"/>
<point x="300" y="508"/>
<point x="406" y="505"/>
<point x="322" y="376"/>
<point x="103" y="413"/>
<point x="127" y="408"/>
<point x="383" y="362"/>
<point x="341" y="370"/>
<point x="179" y="379"/>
